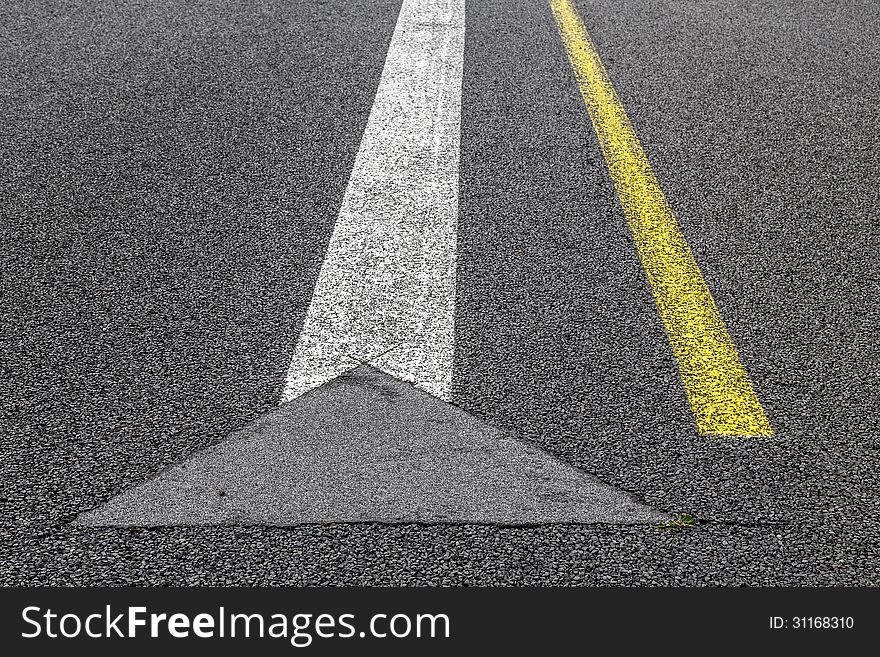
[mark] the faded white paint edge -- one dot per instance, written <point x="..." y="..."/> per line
<point x="386" y="290"/>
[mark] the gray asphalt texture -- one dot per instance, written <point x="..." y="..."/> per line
<point x="171" y="174"/>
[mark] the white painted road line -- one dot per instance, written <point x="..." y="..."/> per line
<point x="386" y="290"/>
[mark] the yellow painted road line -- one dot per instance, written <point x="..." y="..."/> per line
<point x="718" y="388"/>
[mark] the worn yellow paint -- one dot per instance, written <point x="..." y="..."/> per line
<point x="718" y="388"/>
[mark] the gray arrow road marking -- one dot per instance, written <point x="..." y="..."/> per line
<point x="366" y="447"/>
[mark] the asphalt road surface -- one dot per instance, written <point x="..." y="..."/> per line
<point x="182" y="190"/>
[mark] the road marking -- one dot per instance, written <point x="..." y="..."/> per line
<point x="370" y="448"/>
<point x="386" y="290"/>
<point x="717" y="385"/>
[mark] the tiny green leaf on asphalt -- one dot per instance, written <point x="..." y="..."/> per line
<point x="678" y="522"/>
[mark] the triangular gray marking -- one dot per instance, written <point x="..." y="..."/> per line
<point x="367" y="447"/>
